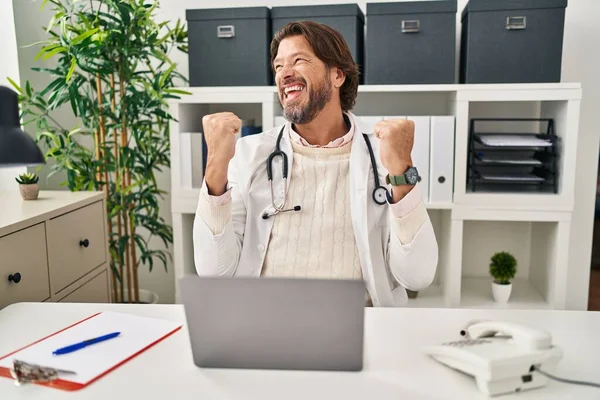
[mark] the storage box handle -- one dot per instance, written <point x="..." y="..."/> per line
<point x="516" y="22"/>
<point x="411" y="26"/>
<point x="225" y="31"/>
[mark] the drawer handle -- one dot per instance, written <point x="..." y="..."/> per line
<point x="84" y="243"/>
<point x="16" y="278"/>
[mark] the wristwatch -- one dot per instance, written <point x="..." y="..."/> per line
<point x="410" y="177"/>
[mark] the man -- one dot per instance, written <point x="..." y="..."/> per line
<point x="331" y="226"/>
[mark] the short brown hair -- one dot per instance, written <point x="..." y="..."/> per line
<point x="330" y="47"/>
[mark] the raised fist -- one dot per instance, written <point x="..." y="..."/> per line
<point x="220" y="131"/>
<point x="397" y="138"/>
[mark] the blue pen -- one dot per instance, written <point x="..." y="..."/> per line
<point x="85" y="343"/>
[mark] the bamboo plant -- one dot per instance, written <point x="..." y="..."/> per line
<point x="113" y="70"/>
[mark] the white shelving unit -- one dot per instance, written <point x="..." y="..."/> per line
<point x="535" y="227"/>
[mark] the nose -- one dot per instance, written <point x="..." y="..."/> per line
<point x="285" y="72"/>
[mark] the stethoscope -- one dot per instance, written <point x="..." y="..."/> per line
<point x="380" y="194"/>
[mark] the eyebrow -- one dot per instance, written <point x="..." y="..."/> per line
<point x="300" y="53"/>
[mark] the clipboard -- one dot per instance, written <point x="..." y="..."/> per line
<point x="138" y="334"/>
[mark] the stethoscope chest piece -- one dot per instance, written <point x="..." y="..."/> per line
<point x="380" y="195"/>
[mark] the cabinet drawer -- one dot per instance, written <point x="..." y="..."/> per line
<point x="24" y="266"/>
<point x="76" y="244"/>
<point x="93" y="291"/>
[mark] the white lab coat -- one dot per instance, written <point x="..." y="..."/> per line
<point x="388" y="266"/>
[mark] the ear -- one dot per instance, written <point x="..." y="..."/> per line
<point x="337" y="77"/>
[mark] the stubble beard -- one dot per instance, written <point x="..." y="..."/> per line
<point x="318" y="99"/>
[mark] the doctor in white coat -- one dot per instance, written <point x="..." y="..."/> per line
<point x="321" y="196"/>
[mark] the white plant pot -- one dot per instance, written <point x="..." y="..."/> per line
<point x="501" y="293"/>
<point x="146" y="296"/>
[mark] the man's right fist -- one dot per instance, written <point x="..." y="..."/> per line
<point x="220" y="131"/>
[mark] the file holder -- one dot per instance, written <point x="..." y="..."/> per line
<point x="512" y="162"/>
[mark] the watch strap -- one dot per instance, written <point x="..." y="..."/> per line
<point x="396" y="180"/>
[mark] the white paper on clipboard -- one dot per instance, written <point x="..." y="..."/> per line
<point x="137" y="333"/>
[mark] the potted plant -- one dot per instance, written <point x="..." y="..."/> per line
<point x="112" y="69"/>
<point x="503" y="268"/>
<point x="28" y="185"/>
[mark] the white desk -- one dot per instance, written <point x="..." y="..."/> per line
<point x="395" y="368"/>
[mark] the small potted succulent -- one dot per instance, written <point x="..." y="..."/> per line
<point x="28" y="185"/>
<point x="503" y="268"/>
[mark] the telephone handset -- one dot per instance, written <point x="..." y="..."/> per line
<point x="523" y="336"/>
<point x="502" y="356"/>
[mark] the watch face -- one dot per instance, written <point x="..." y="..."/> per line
<point x="412" y="176"/>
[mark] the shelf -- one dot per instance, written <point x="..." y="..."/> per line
<point x="477" y="293"/>
<point x="465" y="92"/>
<point x="400" y="88"/>
<point x="500" y="213"/>
<point x="432" y="297"/>
<point x="185" y="201"/>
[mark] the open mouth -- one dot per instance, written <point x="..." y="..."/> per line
<point x="293" y="91"/>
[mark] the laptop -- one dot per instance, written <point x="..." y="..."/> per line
<point x="275" y="323"/>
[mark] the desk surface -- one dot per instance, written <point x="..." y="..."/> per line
<point x="395" y="367"/>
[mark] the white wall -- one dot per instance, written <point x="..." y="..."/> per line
<point x="9" y="67"/>
<point x="581" y="63"/>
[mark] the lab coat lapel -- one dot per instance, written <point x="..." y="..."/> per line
<point x="365" y="216"/>
<point x="252" y="255"/>
<point x="360" y="168"/>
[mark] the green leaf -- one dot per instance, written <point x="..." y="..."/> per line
<point x="84" y="36"/>
<point x="14" y="84"/>
<point x="71" y="69"/>
<point x="176" y="91"/>
<point x="166" y="75"/>
<point x="73" y="99"/>
<point x="53" y="52"/>
<point x="51" y="23"/>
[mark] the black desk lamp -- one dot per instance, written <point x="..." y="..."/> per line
<point x="17" y="148"/>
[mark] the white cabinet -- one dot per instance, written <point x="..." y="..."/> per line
<point x="470" y="226"/>
<point x="54" y="248"/>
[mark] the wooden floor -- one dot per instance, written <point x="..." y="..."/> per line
<point x="594" y="297"/>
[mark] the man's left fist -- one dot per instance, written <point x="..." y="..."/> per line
<point x="397" y="138"/>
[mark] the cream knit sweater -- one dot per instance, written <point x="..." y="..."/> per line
<point x="318" y="241"/>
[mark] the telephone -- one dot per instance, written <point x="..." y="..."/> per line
<point x="501" y="356"/>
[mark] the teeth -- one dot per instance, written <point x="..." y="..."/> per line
<point x="290" y="88"/>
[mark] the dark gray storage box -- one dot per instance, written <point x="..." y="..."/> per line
<point x="347" y="19"/>
<point x="512" y="41"/>
<point x="411" y="42"/>
<point x="229" y="46"/>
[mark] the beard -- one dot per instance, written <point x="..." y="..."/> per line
<point x="318" y="97"/>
